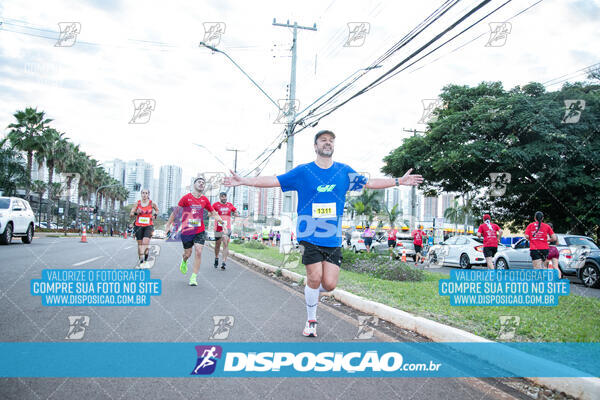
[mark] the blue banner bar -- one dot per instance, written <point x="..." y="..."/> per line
<point x="300" y="359"/>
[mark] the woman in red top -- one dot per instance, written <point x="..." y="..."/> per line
<point x="145" y="212"/>
<point x="553" y="256"/>
<point x="538" y="234"/>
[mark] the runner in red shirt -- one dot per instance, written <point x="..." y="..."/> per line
<point x="491" y="234"/>
<point x="392" y="233"/>
<point x="538" y="233"/>
<point x="418" y="236"/>
<point x="145" y="212"/>
<point x="193" y="235"/>
<point x="226" y="210"/>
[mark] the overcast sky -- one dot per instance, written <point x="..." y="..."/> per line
<point x="200" y="97"/>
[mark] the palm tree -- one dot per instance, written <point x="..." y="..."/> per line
<point x="24" y="135"/>
<point x="70" y="165"/>
<point x="12" y="171"/>
<point x="369" y="201"/>
<point x="39" y="187"/>
<point x="454" y="214"/>
<point x="52" y="152"/>
<point x="55" y="189"/>
<point x="393" y="214"/>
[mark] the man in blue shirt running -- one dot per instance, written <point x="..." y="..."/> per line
<point x="321" y="187"/>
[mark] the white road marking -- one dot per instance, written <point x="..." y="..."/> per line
<point x="87" y="261"/>
<point x="128" y="247"/>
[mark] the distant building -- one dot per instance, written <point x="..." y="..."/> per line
<point x="137" y="172"/>
<point x="169" y="187"/>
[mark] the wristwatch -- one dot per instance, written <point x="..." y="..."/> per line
<point x="397" y="182"/>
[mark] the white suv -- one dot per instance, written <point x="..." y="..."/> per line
<point x="16" y="219"/>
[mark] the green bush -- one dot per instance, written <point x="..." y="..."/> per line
<point x="350" y="257"/>
<point x="380" y="267"/>
<point x="237" y="241"/>
<point x="253" y="244"/>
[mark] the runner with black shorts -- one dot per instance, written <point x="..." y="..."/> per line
<point x="538" y="234"/>
<point x="418" y="236"/>
<point x="491" y="234"/>
<point x="322" y="186"/>
<point x="145" y="212"/>
<point x="226" y="210"/>
<point x="192" y="206"/>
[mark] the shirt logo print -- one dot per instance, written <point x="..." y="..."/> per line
<point x="325" y="188"/>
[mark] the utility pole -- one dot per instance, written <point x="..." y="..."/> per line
<point x="288" y="197"/>
<point x="291" y="111"/>
<point x="413" y="191"/>
<point x="234" y="168"/>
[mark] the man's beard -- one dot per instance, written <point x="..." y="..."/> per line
<point x="322" y="151"/>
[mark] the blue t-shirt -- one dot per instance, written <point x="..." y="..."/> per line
<point x="321" y="199"/>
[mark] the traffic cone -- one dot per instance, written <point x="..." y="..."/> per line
<point x="403" y="255"/>
<point x="83" y="236"/>
<point x="125" y="237"/>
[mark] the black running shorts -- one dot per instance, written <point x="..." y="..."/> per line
<point x="314" y="254"/>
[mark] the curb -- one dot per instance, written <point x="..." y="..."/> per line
<point x="581" y="388"/>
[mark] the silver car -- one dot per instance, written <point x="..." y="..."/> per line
<point x="464" y="251"/>
<point x="357" y="243"/>
<point x="571" y="249"/>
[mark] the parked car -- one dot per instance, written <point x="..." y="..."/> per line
<point x="16" y="219"/>
<point x="570" y="249"/>
<point x="464" y="251"/>
<point x="357" y="243"/>
<point x="405" y="242"/>
<point x="159" y="234"/>
<point x="589" y="269"/>
<point x="45" y="225"/>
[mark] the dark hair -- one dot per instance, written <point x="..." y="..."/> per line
<point x="539" y="216"/>
<point x="222" y="193"/>
<point x="323" y="132"/>
<point x="198" y="178"/>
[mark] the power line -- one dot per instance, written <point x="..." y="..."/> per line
<point x="386" y="75"/>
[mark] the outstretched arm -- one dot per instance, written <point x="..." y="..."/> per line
<point x="257" y="181"/>
<point x="382" y="183"/>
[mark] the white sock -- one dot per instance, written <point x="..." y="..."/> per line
<point x="311" y="297"/>
<point x="322" y="289"/>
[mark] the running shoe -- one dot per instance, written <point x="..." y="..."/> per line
<point x="310" y="329"/>
<point x="193" y="281"/>
<point x="183" y="267"/>
<point x="216" y="262"/>
<point x="223" y="266"/>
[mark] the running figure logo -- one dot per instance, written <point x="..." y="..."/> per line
<point x="498" y="34"/>
<point x="573" y="109"/>
<point x="508" y="326"/>
<point x="68" y="34"/>
<point x="223" y="324"/>
<point x="213" y="32"/>
<point x="142" y="110"/>
<point x="77" y="326"/>
<point x="498" y="183"/>
<point x="357" y="181"/>
<point x="365" y="326"/>
<point x="207" y="359"/>
<point x="357" y="33"/>
<point x="286" y="109"/>
<point x="429" y="106"/>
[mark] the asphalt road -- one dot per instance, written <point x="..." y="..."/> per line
<point x="264" y="310"/>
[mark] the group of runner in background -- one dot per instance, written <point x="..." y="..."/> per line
<point x="321" y="187"/>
